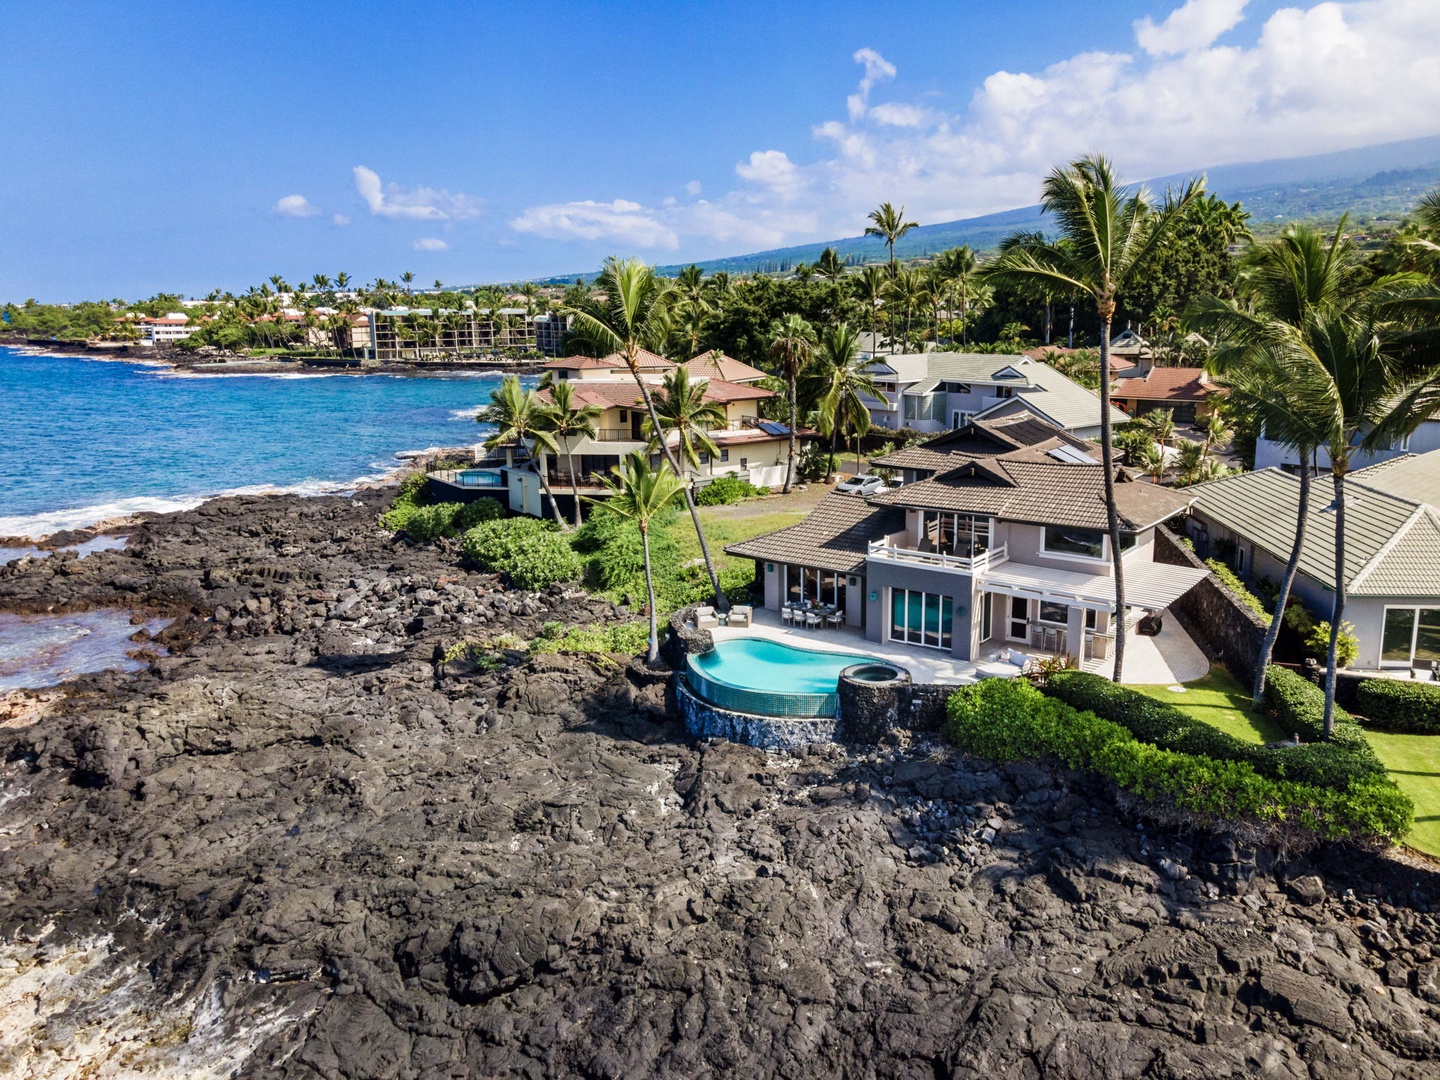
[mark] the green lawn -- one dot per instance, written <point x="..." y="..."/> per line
<point x="729" y="525"/>
<point x="1414" y="764"/>
<point x="1222" y="702"/>
<point x="1413" y="761"/>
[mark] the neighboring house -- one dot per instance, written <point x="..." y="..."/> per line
<point x="748" y="446"/>
<point x="1186" y="391"/>
<point x="999" y="539"/>
<point x="551" y="330"/>
<point x="938" y="391"/>
<point x="406" y="334"/>
<point x="1392" y="548"/>
<point x="1424" y="440"/>
<point x="165" y="330"/>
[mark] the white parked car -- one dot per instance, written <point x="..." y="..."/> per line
<point x="864" y="484"/>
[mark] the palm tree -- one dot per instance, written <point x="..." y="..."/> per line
<point x="792" y="344"/>
<point x="890" y="225"/>
<point x="686" y="417"/>
<point x="628" y="310"/>
<point x="837" y="380"/>
<point x="642" y="494"/>
<point x="955" y="267"/>
<point x="566" y="420"/>
<point x="1313" y="357"/>
<point x="1160" y="424"/>
<point x="870" y="283"/>
<point x="1190" y="461"/>
<point x="408" y="277"/>
<point x="830" y="265"/>
<point x="519" y="416"/>
<point x="1108" y="235"/>
<point x="1215" y="430"/>
<point x="1152" y="461"/>
<point x="906" y="291"/>
<point x="342" y="281"/>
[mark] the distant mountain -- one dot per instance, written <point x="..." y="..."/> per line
<point x="1373" y="184"/>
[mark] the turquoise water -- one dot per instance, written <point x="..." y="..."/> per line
<point x="769" y="678"/>
<point x="85" y="440"/>
<point x="45" y="650"/>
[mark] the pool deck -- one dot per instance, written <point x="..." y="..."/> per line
<point x="1166" y="659"/>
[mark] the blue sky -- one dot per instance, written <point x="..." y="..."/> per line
<point x="185" y="146"/>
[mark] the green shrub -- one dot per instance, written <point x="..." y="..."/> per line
<point x="425" y="523"/>
<point x="724" y="490"/>
<point x="1010" y="720"/>
<point x="1299" y="708"/>
<point x="414" y="489"/>
<point x="473" y="513"/>
<point x="1325" y="764"/>
<point x="1235" y="585"/>
<point x="1347" y="647"/>
<point x="527" y="550"/>
<point x="630" y="638"/>
<point x="1401" y="705"/>
<point x="615" y="558"/>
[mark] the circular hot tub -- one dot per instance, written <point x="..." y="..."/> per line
<point x="874" y="673"/>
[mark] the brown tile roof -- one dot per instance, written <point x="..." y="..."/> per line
<point x="1164" y="384"/>
<point x="1029" y="486"/>
<point x="716" y="365"/>
<point x="647" y="361"/>
<point x="575" y="363"/>
<point x="982" y="438"/>
<point x="834" y="536"/>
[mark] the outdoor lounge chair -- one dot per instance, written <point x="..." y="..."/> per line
<point x="705" y="618"/>
<point x="740" y="615"/>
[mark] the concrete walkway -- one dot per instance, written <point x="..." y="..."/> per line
<point x="1168" y="658"/>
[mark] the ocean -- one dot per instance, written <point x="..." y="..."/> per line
<point x="85" y="440"/>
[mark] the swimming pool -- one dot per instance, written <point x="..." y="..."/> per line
<point x="479" y="478"/>
<point x="769" y="678"/>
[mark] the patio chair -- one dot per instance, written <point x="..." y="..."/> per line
<point x="740" y="615"/>
<point x="705" y="618"/>
<point x="835" y="619"/>
<point x="812" y="620"/>
<point x="787" y="613"/>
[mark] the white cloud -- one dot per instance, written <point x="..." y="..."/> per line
<point x="693" y="188"/>
<point x="1329" y="76"/>
<point x="423" y="203"/>
<point x="877" y="70"/>
<point x="1194" y="26"/>
<point x="340" y="219"/>
<point x="621" y="221"/>
<point x="294" y="206"/>
<point x="430" y="243"/>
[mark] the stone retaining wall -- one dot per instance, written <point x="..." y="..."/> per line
<point x="706" y="721"/>
<point x="1227" y="631"/>
<point x="684" y="640"/>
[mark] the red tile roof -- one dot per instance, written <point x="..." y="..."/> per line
<point x="716" y="365"/>
<point x="1165" y="384"/>
<point x="624" y="394"/>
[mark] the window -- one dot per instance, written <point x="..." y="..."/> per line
<point x="704" y="457"/>
<point x="1004" y="392"/>
<point x="957" y="388"/>
<point x="1410" y="636"/>
<point x="987" y="615"/>
<point x="965" y="535"/>
<point x="1076" y="543"/>
<point x="1051" y="612"/>
<point x="920" y="618"/>
<point x="724" y="455"/>
<point x="959" y="418"/>
<point x="804" y="583"/>
<point x="924" y="407"/>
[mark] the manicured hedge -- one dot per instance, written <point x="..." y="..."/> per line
<point x="1235" y="585"/>
<point x="1401" y="705"/>
<point x="1299" y="708"/>
<point x="1327" y="764"/>
<point x="1009" y="720"/>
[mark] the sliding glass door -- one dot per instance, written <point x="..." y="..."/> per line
<point x="805" y="583"/>
<point x="921" y="618"/>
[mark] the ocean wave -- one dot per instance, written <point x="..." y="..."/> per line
<point x="465" y="414"/>
<point x="39" y="526"/>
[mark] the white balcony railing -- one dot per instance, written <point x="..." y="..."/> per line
<point x="879" y="549"/>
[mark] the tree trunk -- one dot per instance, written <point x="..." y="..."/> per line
<point x="545" y="487"/>
<point x="1049" y="319"/>
<point x="1112" y="516"/>
<point x="652" y="652"/>
<point x="794" y="419"/>
<point x="634" y="365"/>
<point x="1337" y="611"/>
<point x="1263" y="663"/>
<point x="830" y="464"/>
<point x="574" y="486"/>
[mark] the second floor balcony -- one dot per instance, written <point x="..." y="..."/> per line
<point x="940" y="560"/>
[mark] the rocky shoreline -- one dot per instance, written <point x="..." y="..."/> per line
<point x="304" y="844"/>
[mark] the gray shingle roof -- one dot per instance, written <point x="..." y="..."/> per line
<point x="981" y="438"/>
<point x="1415" y="477"/>
<point x="1392" y="544"/>
<point x="834" y="536"/>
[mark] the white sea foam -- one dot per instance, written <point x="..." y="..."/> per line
<point x="39" y="526"/>
<point x="465" y="414"/>
<point x="177" y="373"/>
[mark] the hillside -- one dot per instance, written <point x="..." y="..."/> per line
<point x="1374" y="184"/>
